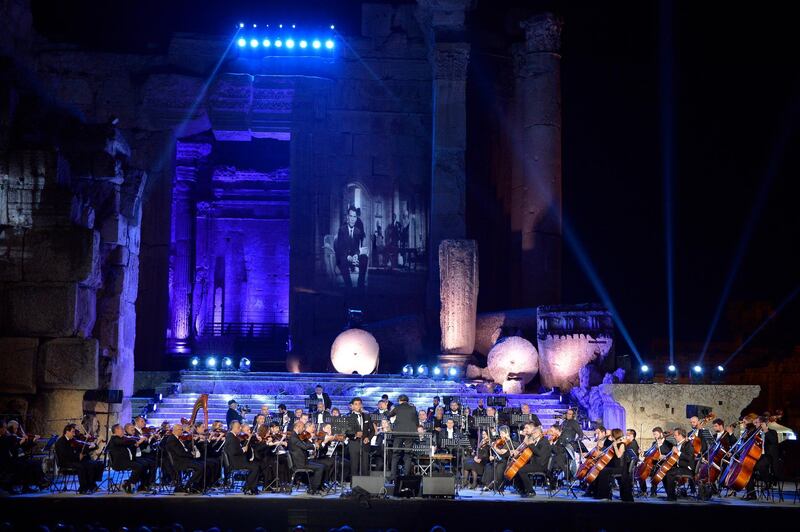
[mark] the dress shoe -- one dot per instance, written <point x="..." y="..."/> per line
<point x="750" y="497"/>
<point x="126" y="487"/>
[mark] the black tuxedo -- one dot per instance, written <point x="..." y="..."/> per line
<point x="537" y="464"/>
<point x="359" y="451"/>
<point x="299" y="449"/>
<point x="767" y="464"/>
<point x="183" y="460"/>
<point x="123" y="458"/>
<point x="89" y="471"/>
<point x="325" y="399"/>
<point x="239" y="460"/>
<point x="346" y="245"/>
<point x="406" y="419"/>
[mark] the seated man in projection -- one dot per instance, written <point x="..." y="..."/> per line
<point x="348" y="250"/>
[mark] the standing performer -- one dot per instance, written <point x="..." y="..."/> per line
<point x="406" y="420"/>
<point x="359" y="431"/>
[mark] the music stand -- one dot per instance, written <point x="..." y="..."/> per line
<point x="456" y="447"/>
<point x="377" y="417"/>
<point x="485" y="423"/>
<point x="311" y="403"/>
<point x="339" y="426"/>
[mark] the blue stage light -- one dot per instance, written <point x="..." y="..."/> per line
<point x="289" y="43"/>
<point x="698" y="369"/>
<point x="333" y="27"/>
<point x="437" y="371"/>
<point x="211" y="362"/>
<point x="645" y="376"/>
<point x="194" y="362"/>
<point x="671" y="376"/>
<point x="255" y="25"/>
<point x="316" y="44"/>
<point x="241" y="24"/>
<point x="422" y="370"/>
<point x="253" y="43"/>
<point x="452" y="372"/>
<point x="278" y="43"/>
<point x="329" y="44"/>
<point x="227" y="363"/>
<point x="280" y="26"/>
<point x="304" y="44"/>
<point x="241" y="42"/>
<point x="408" y="370"/>
<point x="293" y="26"/>
<point x="244" y="364"/>
<point x="266" y="43"/>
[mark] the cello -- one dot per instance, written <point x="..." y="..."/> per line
<point x="648" y="463"/>
<point x="588" y="464"/>
<point x="519" y="462"/>
<point x="604" y="459"/>
<point x="744" y="461"/>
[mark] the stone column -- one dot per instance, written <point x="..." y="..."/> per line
<point x="458" y="263"/>
<point x="181" y="273"/>
<point x="538" y="94"/>
<point x="448" y="177"/>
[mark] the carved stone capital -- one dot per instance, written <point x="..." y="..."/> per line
<point x="452" y="60"/>
<point x="192" y="152"/>
<point x="446" y="14"/>
<point x="543" y="33"/>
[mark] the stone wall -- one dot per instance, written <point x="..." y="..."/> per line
<point x="650" y="405"/>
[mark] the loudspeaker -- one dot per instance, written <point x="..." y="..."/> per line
<point x="698" y="410"/>
<point x="439" y="486"/>
<point x="103" y="396"/>
<point x="407" y="486"/>
<point x="373" y="485"/>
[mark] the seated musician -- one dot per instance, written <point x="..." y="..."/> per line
<point x="378" y="442"/>
<point x="18" y="469"/>
<point x="525" y="410"/>
<point x="72" y="454"/>
<point x="718" y="427"/>
<point x="664" y="447"/>
<point x="766" y="466"/>
<point x="181" y="450"/>
<point x="449" y="432"/>
<point x="685" y="465"/>
<point x="533" y="439"/>
<point x="275" y="462"/>
<point x="321" y="415"/>
<point x="438" y="419"/>
<point x="239" y="458"/>
<point x="559" y="459"/>
<point x="329" y="447"/>
<point x="424" y="422"/>
<point x="618" y="465"/>
<point x="731" y="430"/>
<point x="498" y="459"/>
<point x="263" y="412"/>
<point x="474" y="466"/>
<point x="699" y="431"/>
<point x="603" y="440"/>
<point x="208" y="453"/>
<point x="335" y="412"/>
<point x="299" y="449"/>
<point x="123" y="449"/>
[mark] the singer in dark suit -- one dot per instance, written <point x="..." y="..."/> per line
<point x="348" y="250"/>
<point x="359" y="433"/>
<point x="406" y="420"/>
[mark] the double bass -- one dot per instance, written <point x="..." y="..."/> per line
<point x="743" y="462"/>
<point x="602" y="461"/>
<point x="645" y="468"/>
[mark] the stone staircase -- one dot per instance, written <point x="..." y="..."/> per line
<point x="257" y="388"/>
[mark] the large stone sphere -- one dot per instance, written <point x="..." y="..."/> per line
<point x="513" y="356"/>
<point x="355" y="351"/>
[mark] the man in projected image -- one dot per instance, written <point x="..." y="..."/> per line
<point x="348" y="252"/>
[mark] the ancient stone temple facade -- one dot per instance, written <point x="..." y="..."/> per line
<point x="217" y="198"/>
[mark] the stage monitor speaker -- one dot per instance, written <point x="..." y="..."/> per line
<point x="407" y="486"/>
<point x="698" y="410"/>
<point x="439" y="486"/>
<point x="103" y="396"/>
<point x="373" y="485"/>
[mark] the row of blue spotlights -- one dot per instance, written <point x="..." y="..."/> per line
<point x="284" y="42"/>
<point x="437" y="372"/>
<point x="214" y="363"/>
<point x="671" y="373"/>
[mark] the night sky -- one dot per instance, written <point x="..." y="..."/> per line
<point x="736" y="108"/>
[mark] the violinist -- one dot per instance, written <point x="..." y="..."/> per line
<point x="329" y="444"/>
<point x="474" y="467"/>
<point x="26" y="441"/>
<point x="123" y="449"/>
<point x="178" y="445"/>
<point x="618" y="465"/>
<point x="299" y="449"/>
<point x="239" y="460"/>
<point x="769" y="457"/>
<point x="533" y="439"/>
<point x="20" y="469"/>
<point x="664" y="448"/>
<point x="72" y="453"/>
<point x="499" y="451"/>
<point x="684" y="466"/>
<point x="206" y="444"/>
<point x="276" y="462"/>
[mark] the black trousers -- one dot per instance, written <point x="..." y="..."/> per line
<point x="316" y="477"/>
<point x="493" y="473"/>
<point x="359" y="457"/>
<point x="196" y="469"/>
<point x="139" y="470"/>
<point x="253" y="471"/>
<point x="90" y="472"/>
<point x="25" y="472"/>
<point x="761" y="470"/>
<point x="670" y="483"/>
<point x="344" y="268"/>
<point x="272" y="468"/>
<point x="523" y="481"/>
<point x="471" y="465"/>
<point x="329" y="464"/>
<point x="605" y="478"/>
<point x="404" y="443"/>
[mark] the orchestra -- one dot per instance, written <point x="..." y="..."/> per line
<point x="487" y="449"/>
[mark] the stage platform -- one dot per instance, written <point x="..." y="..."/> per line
<point x="472" y="510"/>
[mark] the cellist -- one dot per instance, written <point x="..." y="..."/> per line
<point x="619" y="465"/>
<point x="685" y="465"/>
<point x="540" y="447"/>
<point x="769" y="457"/>
<point x="664" y="447"/>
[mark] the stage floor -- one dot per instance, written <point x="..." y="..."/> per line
<point x="471" y="510"/>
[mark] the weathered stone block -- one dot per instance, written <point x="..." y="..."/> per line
<point x="18" y="364"/>
<point x="376" y="20"/>
<point x="11" y="251"/>
<point x="114" y="230"/>
<point x="51" y="310"/>
<point x="62" y="255"/>
<point x="69" y="363"/>
<point x="56" y="405"/>
<point x="458" y="290"/>
<point x="14" y="405"/>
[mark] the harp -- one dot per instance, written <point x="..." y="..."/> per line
<point x="201" y="403"/>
